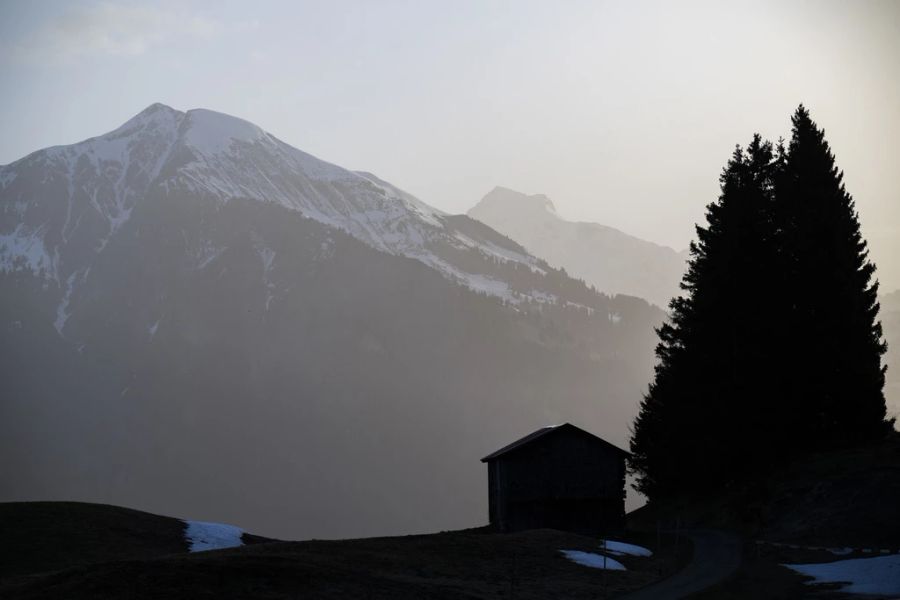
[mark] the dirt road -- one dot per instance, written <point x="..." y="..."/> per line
<point x="717" y="555"/>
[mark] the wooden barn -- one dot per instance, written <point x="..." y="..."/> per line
<point x="558" y="477"/>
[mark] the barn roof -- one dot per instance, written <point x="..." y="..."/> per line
<point x="540" y="433"/>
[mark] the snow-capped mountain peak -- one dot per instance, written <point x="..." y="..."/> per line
<point x="91" y="189"/>
<point x="155" y="115"/>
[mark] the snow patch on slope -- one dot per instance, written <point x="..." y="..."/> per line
<point x="23" y="249"/>
<point x="7" y="176"/>
<point x="427" y="213"/>
<point x="474" y="281"/>
<point x="204" y="536"/>
<point x="879" y="575"/>
<point x="62" y="310"/>
<point x="267" y="256"/>
<point x="152" y="328"/>
<point x="212" y="133"/>
<point x="543" y="297"/>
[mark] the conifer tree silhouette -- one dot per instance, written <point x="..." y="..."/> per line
<point x="832" y="341"/>
<point x="703" y="404"/>
<point x="774" y="349"/>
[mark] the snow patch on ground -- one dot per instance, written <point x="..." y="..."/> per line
<point x="595" y="561"/>
<point x="624" y="549"/>
<point x="879" y="575"/>
<point x="204" y="536"/>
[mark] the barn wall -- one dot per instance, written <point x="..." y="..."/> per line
<point x="493" y="492"/>
<point x="567" y="481"/>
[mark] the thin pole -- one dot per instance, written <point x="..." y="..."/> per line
<point x="658" y="536"/>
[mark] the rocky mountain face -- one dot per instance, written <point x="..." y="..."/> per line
<point x="203" y="321"/>
<point x="611" y="261"/>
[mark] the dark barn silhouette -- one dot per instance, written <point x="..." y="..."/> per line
<point x="558" y="477"/>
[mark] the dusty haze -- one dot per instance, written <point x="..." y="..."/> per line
<point x="239" y="331"/>
<point x="622" y="112"/>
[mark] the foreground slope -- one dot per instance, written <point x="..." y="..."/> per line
<point x="200" y="319"/>
<point x="608" y="259"/>
<point x="49" y="536"/>
<point x="42" y="537"/>
<point x="836" y="499"/>
<point x="107" y="560"/>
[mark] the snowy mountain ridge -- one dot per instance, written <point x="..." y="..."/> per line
<point x="211" y="154"/>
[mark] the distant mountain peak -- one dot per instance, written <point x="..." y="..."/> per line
<point x="154" y="111"/>
<point x="206" y="131"/>
<point x="154" y="115"/>
<point x="610" y="260"/>
<point x="158" y="107"/>
<point x="506" y="199"/>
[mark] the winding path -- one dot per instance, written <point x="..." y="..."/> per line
<point x="717" y="555"/>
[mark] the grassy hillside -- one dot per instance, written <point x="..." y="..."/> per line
<point x="110" y="552"/>
<point x="47" y="536"/>
<point x="841" y="498"/>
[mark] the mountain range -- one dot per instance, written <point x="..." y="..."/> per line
<point x="606" y="258"/>
<point x="202" y="320"/>
<point x="617" y="263"/>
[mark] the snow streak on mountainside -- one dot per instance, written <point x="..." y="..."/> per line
<point x="612" y="261"/>
<point x="214" y="155"/>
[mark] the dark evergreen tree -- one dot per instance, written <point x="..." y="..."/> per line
<point x="775" y="348"/>
<point x="707" y="398"/>
<point x="832" y="338"/>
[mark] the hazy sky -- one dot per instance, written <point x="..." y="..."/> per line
<point x="623" y="113"/>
